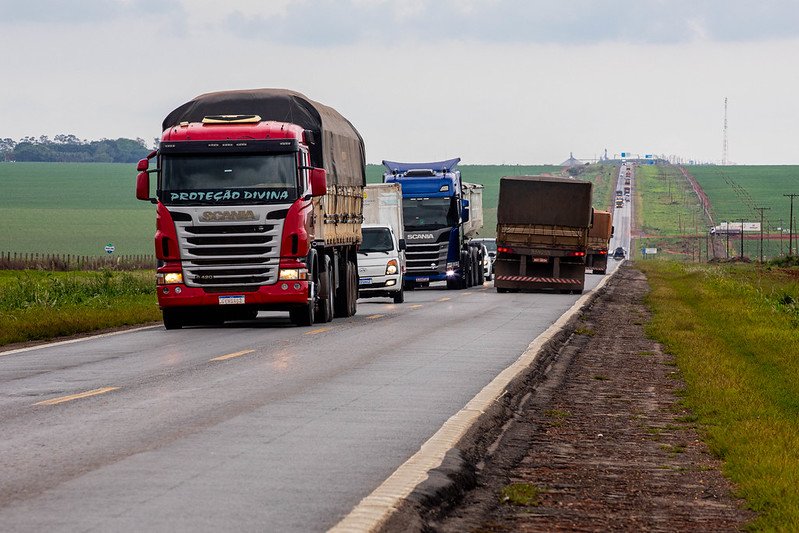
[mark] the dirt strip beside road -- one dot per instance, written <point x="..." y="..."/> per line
<point x="602" y="440"/>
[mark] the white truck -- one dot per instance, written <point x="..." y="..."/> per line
<point x="381" y="257"/>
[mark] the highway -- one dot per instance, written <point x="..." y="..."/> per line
<point x="255" y="426"/>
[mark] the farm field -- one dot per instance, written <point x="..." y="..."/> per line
<point x="73" y="208"/>
<point x="78" y="208"/>
<point x="735" y="191"/>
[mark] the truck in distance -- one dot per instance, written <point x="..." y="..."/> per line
<point x="381" y="256"/>
<point x="441" y="212"/>
<point x="598" y="242"/>
<point x="259" y="207"/>
<point x="542" y="233"/>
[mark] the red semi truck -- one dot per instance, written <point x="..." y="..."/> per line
<point x="259" y="207"/>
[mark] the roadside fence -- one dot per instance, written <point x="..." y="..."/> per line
<point x="63" y="262"/>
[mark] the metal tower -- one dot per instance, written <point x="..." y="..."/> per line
<point x="724" y="150"/>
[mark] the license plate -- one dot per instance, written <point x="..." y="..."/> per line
<point x="422" y="279"/>
<point x="231" y="300"/>
<point x="540" y="260"/>
<point x="364" y="281"/>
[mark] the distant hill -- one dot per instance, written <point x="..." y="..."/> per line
<point x="70" y="149"/>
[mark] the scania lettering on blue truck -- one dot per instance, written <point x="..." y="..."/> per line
<point x="441" y="213"/>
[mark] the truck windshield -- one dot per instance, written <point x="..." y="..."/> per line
<point x="429" y="213"/>
<point x="224" y="179"/>
<point x="376" y="240"/>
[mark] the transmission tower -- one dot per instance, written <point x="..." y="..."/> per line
<point x="724" y="150"/>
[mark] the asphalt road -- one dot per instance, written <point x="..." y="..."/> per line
<point x="257" y="426"/>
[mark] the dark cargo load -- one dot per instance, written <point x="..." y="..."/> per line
<point x="603" y="225"/>
<point x="338" y="146"/>
<point x="544" y="200"/>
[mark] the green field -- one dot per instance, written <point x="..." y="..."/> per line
<point x="735" y="191"/>
<point x="78" y="208"/>
<point x="73" y="208"/>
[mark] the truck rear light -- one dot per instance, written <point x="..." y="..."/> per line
<point x="576" y="254"/>
<point x="504" y="250"/>
<point x="168" y="278"/>
<point x="603" y="252"/>
<point x="293" y="274"/>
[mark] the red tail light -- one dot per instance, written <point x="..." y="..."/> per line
<point x="603" y="252"/>
<point x="576" y="254"/>
<point x="504" y="250"/>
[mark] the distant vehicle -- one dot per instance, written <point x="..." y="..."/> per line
<point x="619" y="254"/>
<point x="486" y="255"/>
<point x="381" y="257"/>
<point x="599" y="236"/>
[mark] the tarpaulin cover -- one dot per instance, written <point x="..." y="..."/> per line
<point x="338" y="148"/>
<point x="544" y="200"/>
<point x="602" y="225"/>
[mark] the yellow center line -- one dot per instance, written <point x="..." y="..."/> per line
<point x="232" y="355"/>
<point x="62" y="399"/>
<point x="372" y="317"/>
<point x="444" y="299"/>
<point x="416" y="306"/>
<point x="317" y="331"/>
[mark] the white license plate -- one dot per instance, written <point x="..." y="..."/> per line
<point x="231" y="300"/>
<point x="540" y="260"/>
<point x="364" y="281"/>
<point x="422" y="279"/>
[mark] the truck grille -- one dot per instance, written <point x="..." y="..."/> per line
<point x="430" y="258"/>
<point x="228" y="255"/>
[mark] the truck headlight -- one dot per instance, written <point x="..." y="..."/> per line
<point x="290" y="274"/>
<point x="392" y="267"/>
<point x="168" y="278"/>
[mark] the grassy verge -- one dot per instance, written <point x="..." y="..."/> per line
<point x="734" y="330"/>
<point x="36" y="305"/>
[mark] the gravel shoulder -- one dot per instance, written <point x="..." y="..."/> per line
<point x="603" y="439"/>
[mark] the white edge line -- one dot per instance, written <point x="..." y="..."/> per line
<point x="375" y="509"/>
<point x="73" y="341"/>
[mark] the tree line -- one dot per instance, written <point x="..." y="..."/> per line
<point x="70" y="149"/>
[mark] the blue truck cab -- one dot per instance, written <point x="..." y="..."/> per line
<point x="440" y="213"/>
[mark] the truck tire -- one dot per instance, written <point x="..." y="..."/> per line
<point x="305" y="315"/>
<point x="346" y="300"/>
<point x="173" y="318"/>
<point x="399" y="297"/>
<point x="481" y="275"/>
<point x="326" y="292"/>
<point x="466" y="270"/>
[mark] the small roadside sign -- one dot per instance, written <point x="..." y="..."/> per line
<point x="650" y="251"/>
<point x="109" y="248"/>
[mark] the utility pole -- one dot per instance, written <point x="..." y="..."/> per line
<point x="727" y="249"/>
<point x="761" y="209"/>
<point x="790" y="224"/>
<point x="742" y="238"/>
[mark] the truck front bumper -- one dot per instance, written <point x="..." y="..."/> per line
<point x="280" y="296"/>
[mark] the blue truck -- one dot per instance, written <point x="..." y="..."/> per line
<point x="441" y="213"/>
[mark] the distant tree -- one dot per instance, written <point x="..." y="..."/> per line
<point x="69" y="148"/>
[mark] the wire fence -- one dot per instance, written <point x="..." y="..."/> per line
<point x="63" y="262"/>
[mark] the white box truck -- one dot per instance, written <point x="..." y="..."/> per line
<point x="381" y="257"/>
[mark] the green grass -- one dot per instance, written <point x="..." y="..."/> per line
<point x="734" y="192"/>
<point x="521" y="494"/>
<point x="38" y="305"/>
<point x="734" y="332"/>
<point x="73" y="208"/>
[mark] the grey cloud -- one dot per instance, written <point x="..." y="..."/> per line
<point x="336" y="22"/>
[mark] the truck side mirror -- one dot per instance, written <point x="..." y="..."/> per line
<point x="465" y="210"/>
<point x="143" y="165"/>
<point x="402" y="245"/>
<point x="318" y="182"/>
<point x="143" y="186"/>
<point x="612" y="230"/>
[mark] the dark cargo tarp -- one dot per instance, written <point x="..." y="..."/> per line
<point x="544" y="200"/>
<point x="338" y="149"/>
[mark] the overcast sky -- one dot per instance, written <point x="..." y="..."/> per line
<point x="490" y="81"/>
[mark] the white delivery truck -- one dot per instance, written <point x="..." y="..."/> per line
<point x="381" y="257"/>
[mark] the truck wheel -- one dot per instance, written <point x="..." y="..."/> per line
<point x="502" y="290"/>
<point x="399" y="297"/>
<point x="305" y="315"/>
<point x="326" y="296"/>
<point x="173" y="318"/>
<point x="481" y="273"/>
<point x="346" y="301"/>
